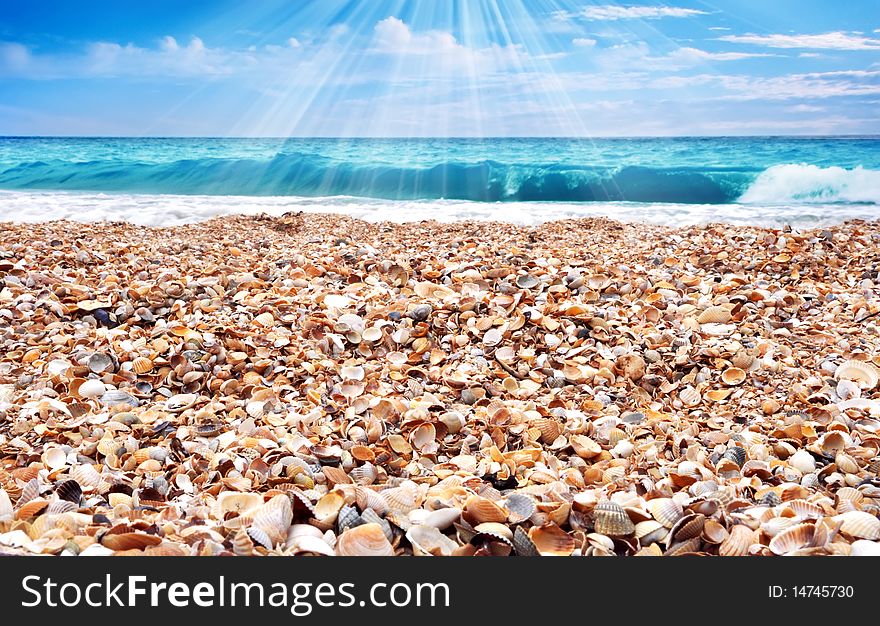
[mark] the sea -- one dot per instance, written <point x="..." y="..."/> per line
<point x="769" y="181"/>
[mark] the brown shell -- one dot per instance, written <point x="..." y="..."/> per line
<point x="609" y="518"/>
<point x="738" y="541"/>
<point x="130" y="541"/>
<point x="364" y="540"/>
<point x="478" y="510"/>
<point x="551" y="540"/>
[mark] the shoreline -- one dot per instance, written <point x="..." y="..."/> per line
<point x="583" y="386"/>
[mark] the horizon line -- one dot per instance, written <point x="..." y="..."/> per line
<point x="450" y="137"/>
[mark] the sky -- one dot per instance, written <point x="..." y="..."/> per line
<point x="459" y="68"/>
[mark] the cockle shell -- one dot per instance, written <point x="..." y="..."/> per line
<point x="551" y="540"/>
<point x="794" y="538"/>
<point x="523" y="544"/>
<point x="859" y="524"/>
<point x="665" y="510"/>
<point x="478" y="510"/>
<point x="142" y="365"/>
<point x="714" y="315"/>
<point x="609" y="518"/>
<point x="367" y="498"/>
<point x="585" y="447"/>
<point x="236" y="503"/>
<point x="865" y="374"/>
<point x="274" y="518"/>
<point x="689" y="396"/>
<point x="739" y="539"/>
<point x="520" y="507"/>
<point x="364" y="540"/>
<point x="130" y="541"/>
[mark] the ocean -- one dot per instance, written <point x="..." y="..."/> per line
<point x="803" y="181"/>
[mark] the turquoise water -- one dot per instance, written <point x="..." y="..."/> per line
<point x="761" y="179"/>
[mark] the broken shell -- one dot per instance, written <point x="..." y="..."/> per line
<point x="865" y="374"/>
<point x="428" y="541"/>
<point x="551" y="540"/>
<point x="478" y="510"/>
<point x="738" y="542"/>
<point x="793" y="538"/>
<point x="733" y="376"/>
<point x="54" y="458"/>
<point x="364" y="540"/>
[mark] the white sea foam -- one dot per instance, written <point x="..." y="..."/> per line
<point x="812" y="184"/>
<point x="172" y="210"/>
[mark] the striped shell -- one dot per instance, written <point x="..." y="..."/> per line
<point x="689" y="396"/>
<point x="609" y="518"/>
<point x="367" y="498"/>
<point x="738" y="541"/>
<point x="865" y="374"/>
<point x="478" y="510"/>
<point x="794" y="538"/>
<point x="665" y="510"/>
<point x="142" y="365"/>
<point x="274" y="518"/>
<point x="715" y="315"/>
<point x="364" y="540"/>
<point x="859" y="524"/>
<point x="551" y="540"/>
<point x="523" y="544"/>
<point x="736" y="454"/>
<point x="520" y="507"/>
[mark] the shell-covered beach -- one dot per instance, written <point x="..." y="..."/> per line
<point x="315" y="384"/>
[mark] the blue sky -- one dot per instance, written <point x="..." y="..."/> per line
<point x="439" y="68"/>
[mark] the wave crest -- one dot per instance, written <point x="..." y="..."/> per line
<point x="808" y="184"/>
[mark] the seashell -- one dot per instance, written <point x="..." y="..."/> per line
<point x="863" y="373"/>
<point x="793" y="538"/>
<point x="442" y="519"/>
<point x="687" y="527"/>
<point x="550" y="429"/>
<point x="520" y="507"/>
<point x="369" y="499"/>
<point x="551" y="540"/>
<point x="274" y="518"/>
<point x="743" y="360"/>
<point x="328" y="506"/>
<point x="5" y="506"/>
<point x="683" y="547"/>
<point x="862" y="547"/>
<point x="609" y="518"/>
<point x="142" y="365"/>
<point x="428" y="541"/>
<point x="522" y="543"/>
<point x="665" y="510"/>
<point x="54" y="458"/>
<point x="307" y="544"/>
<point x="832" y="443"/>
<point x="364" y="540"/>
<point x="69" y="490"/>
<point x="237" y="503"/>
<point x="347" y="517"/>
<point x="242" y="545"/>
<point x="495" y="529"/>
<point x="713" y="532"/>
<point x="771" y="499"/>
<point x="802" y="461"/>
<point x="859" y="524"/>
<point x="738" y="542"/>
<point x="715" y="315"/>
<point x="91" y="388"/>
<point x="527" y="281"/>
<point x="130" y="541"/>
<point x="735" y="454"/>
<point x="259" y="537"/>
<point x="492" y="337"/>
<point x="846" y="464"/>
<point x="478" y="510"/>
<point x="650" y="531"/>
<point x="99" y="363"/>
<point x="585" y="447"/>
<point x="733" y="376"/>
<point x="180" y="402"/>
<point x="690" y="396"/>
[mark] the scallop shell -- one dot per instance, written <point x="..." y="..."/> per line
<point x="523" y="545"/>
<point x="478" y="510"/>
<point x="347" y="517"/>
<point x="736" y="454"/>
<point x="551" y="540"/>
<point x="69" y="490"/>
<point x="733" y="376"/>
<point x="370" y="499"/>
<point x="665" y="510"/>
<point x="650" y="531"/>
<point x="609" y="518"/>
<point x="687" y="527"/>
<point x="738" y="541"/>
<point x="715" y="315"/>
<point x="794" y="538"/>
<point x="274" y="518"/>
<point x="242" y="545"/>
<point x="550" y="429"/>
<point x="520" y="507"/>
<point x="865" y="374"/>
<point x="859" y="524"/>
<point x="402" y="499"/>
<point x="714" y="532"/>
<point x="428" y="541"/>
<point x="260" y="536"/>
<point x="364" y="540"/>
<point x="142" y="365"/>
<point x="31" y="508"/>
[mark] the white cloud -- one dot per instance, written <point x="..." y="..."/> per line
<point x="613" y="12"/>
<point x="394" y="37"/>
<point x="809" y="55"/>
<point x="805" y="108"/>
<point x="718" y="28"/>
<point x="837" y="40"/>
<point x="293" y="42"/>
<point x="584" y="42"/>
<point x="695" y="55"/>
